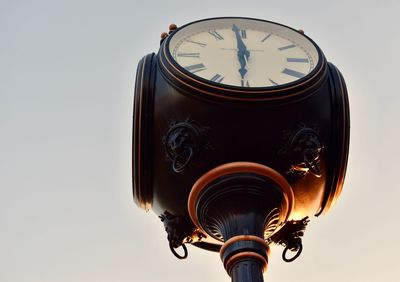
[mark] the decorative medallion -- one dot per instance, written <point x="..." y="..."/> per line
<point x="183" y="141"/>
<point x="303" y="152"/>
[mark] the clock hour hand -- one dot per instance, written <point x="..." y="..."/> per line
<point x="243" y="53"/>
<point x="242" y="62"/>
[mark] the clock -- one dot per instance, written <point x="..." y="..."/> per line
<point x="233" y="117"/>
<point x="245" y="58"/>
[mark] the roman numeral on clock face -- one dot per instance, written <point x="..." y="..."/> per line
<point x="293" y="73"/>
<point x="297" y="60"/>
<point x="197" y="43"/>
<point x="195" y="68"/>
<point x="244" y="83"/>
<point x="272" y="82"/>
<point x="215" y="34"/>
<point x="189" y="55"/>
<point x="287" y="47"/>
<point x="266" y="37"/>
<point x="217" y="78"/>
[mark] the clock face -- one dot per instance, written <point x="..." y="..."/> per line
<point x="243" y="52"/>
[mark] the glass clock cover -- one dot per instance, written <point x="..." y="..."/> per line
<point x="243" y="52"/>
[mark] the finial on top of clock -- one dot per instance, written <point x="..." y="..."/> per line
<point x="164" y="35"/>
<point x="172" y="27"/>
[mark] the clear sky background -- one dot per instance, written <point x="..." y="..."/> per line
<point x="67" y="72"/>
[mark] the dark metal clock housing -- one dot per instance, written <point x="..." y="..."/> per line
<point x="191" y="135"/>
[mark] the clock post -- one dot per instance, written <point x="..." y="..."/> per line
<point x="241" y="203"/>
<point x="240" y="136"/>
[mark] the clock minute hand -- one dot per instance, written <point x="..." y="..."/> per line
<point x="240" y="44"/>
<point x="243" y="53"/>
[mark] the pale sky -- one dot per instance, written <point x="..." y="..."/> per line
<point x="67" y="72"/>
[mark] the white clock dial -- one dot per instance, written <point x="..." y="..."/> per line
<point x="243" y="52"/>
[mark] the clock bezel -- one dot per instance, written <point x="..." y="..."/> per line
<point x="184" y="79"/>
